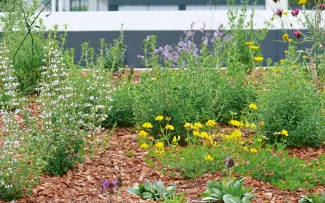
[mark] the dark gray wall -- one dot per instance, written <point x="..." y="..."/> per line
<point x="271" y="46"/>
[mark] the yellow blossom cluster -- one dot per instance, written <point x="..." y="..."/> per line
<point x="236" y="123"/>
<point x="147" y="125"/>
<point x="208" y="157"/>
<point x="235" y="135"/>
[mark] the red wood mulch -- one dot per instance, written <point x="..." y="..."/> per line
<point x="83" y="184"/>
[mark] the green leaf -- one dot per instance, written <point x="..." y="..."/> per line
<point x="206" y="194"/>
<point x="217" y="193"/>
<point x="133" y="190"/>
<point x="146" y="195"/>
<point x="158" y="186"/>
<point x="148" y="186"/>
<point x="210" y="198"/>
<point x="228" y="198"/>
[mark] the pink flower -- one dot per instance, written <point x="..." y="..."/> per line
<point x="279" y="12"/>
<point x="321" y="7"/>
<point x="297" y="34"/>
<point x="295" y="12"/>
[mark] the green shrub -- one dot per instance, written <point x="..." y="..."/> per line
<point x="184" y="95"/>
<point x="121" y="112"/>
<point x="233" y="97"/>
<point x="291" y="103"/>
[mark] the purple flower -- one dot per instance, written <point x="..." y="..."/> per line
<point x="105" y="184"/>
<point x="156" y="51"/>
<point x="321" y="7"/>
<point x="140" y="57"/>
<point x="116" y="183"/>
<point x="279" y="12"/>
<point x="295" y="12"/>
<point x="229" y="162"/>
<point x="217" y="34"/>
<point x="298" y="34"/>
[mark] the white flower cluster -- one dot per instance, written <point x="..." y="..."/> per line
<point x="8" y="79"/>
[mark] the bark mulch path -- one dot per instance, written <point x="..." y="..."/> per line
<point x="125" y="159"/>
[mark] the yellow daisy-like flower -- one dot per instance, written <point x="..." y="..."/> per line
<point x="253" y="47"/>
<point x="282" y="60"/>
<point x="249" y="43"/>
<point x="276" y="70"/>
<point x="294" y="66"/>
<point x="258" y="58"/>
<point x="159" y="118"/>
<point x="285" y="37"/>
<point x="159" y="145"/>
<point x="187" y="125"/>
<point x="253" y="150"/>
<point x="253" y="106"/>
<point x="302" y="2"/>
<point x="144" y="146"/>
<point x="211" y="123"/>
<point x="169" y="127"/>
<point x="208" y="157"/>
<point x="147" y="125"/>
<point x="285" y="13"/>
<point x="285" y="133"/>
<point x="143" y="133"/>
<point x="290" y="40"/>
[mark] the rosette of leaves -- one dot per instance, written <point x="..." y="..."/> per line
<point x="313" y="199"/>
<point x="154" y="191"/>
<point x="227" y="192"/>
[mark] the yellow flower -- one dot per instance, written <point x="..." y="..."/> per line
<point x="294" y="66"/>
<point x="193" y="127"/>
<point x="235" y="123"/>
<point x="258" y="58"/>
<point x="259" y="140"/>
<point x="253" y="106"/>
<point x="304" y="57"/>
<point x="144" y="146"/>
<point x="211" y="123"/>
<point x="143" y="133"/>
<point x="302" y="2"/>
<point x="245" y="148"/>
<point x="159" y="118"/>
<point x="253" y="150"/>
<point x="276" y="70"/>
<point x="249" y="43"/>
<point x="285" y="12"/>
<point x="290" y="40"/>
<point x="198" y="125"/>
<point x="285" y="133"/>
<point x="204" y="135"/>
<point x="174" y="139"/>
<point x="160" y="152"/>
<point x="247" y="125"/>
<point x="282" y="60"/>
<point x="196" y="133"/>
<point x="147" y="125"/>
<point x="208" y="157"/>
<point x="253" y="126"/>
<point x="261" y="123"/>
<point x="285" y="37"/>
<point x="253" y="47"/>
<point x="169" y="127"/>
<point x="159" y="145"/>
<point x="187" y="125"/>
<point x="286" y="52"/>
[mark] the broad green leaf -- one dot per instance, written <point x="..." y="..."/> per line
<point x="228" y="198"/>
<point x="206" y="194"/>
<point x="148" y="186"/>
<point x="146" y="195"/>
<point x="133" y="191"/>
